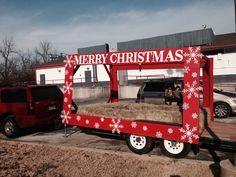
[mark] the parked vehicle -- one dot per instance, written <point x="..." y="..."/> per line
<point x="224" y="103"/>
<point x="27" y="106"/>
<point x="153" y="91"/>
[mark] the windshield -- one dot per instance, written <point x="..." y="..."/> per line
<point x="45" y="93"/>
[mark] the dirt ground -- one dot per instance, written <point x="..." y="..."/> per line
<point x="21" y="159"/>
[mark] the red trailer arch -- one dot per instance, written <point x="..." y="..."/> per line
<point x="190" y="59"/>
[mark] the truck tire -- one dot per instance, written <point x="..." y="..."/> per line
<point x="57" y="123"/>
<point x="139" y="144"/>
<point x="10" y="127"/>
<point x="174" y="149"/>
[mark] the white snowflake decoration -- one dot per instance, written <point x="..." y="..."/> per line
<point x="102" y="119"/>
<point x="116" y="126"/>
<point x="65" y="99"/>
<point x="87" y="121"/>
<point x="194" y="74"/>
<point x="69" y="106"/>
<point x="194" y="115"/>
<point x="68" y="87"/>
<point x="193" y="55"/>
<point x="191" y="90"/>
<point x="96" y="125"/>
<point x="158" y="134"/>
<point x="133" y="124"/>
<point x="78" y="118"/>
<point x="189" y="133"/>
<point x="185" y="106"/>
<point x="170" y="130"/>
<point x="65" y="117"/>
<point x="145" y="128"/>
<point x="69" y="62"/>
<point x="186" y="69"/>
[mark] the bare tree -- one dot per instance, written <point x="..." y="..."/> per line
<point x="44" y="51"/>
<point x="25" y="67"/>
<point x="8" y="63"/>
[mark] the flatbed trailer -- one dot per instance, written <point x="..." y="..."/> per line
<point x="175" y="139"/>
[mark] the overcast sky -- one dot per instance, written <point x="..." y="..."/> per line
<point x="69" y="24"/>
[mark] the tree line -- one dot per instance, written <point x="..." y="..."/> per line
<point x="16" y="66"/>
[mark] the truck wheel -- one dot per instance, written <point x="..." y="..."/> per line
<point x="10" y="128"/>
<point x="221" y="110"/>
<point x="174" y="149"/>
<point x="57" y="123"/>
<point x="139" y="144"/>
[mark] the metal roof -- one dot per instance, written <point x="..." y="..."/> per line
<point x="184" y="39"/>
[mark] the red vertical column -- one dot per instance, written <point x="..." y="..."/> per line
<point x="113" y="84"/>
<point x="208" y="86"/>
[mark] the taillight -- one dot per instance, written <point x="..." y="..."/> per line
<point x="30" y="108"/>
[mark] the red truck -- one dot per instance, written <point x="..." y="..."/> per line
<point x="27" y="106"/>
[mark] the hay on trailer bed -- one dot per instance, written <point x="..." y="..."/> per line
<point x="142" y="111"/>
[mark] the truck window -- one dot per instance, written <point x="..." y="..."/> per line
<point x="45" y="93"/>
<point x="13" y="96"/>
<point x="154" y="87"/>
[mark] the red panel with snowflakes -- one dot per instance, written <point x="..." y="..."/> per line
<point x="188" y="58"/>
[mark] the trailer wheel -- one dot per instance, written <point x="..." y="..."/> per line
<point x="174" y="149"/>
<point x="139" y="144"/>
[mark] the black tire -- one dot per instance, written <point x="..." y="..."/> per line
<point x="57" y="123"/>
<point x="139" y="144"/>
<point x="10" y="127"/>
<point x="174" y="149"/>
<point x="221" y="110"/>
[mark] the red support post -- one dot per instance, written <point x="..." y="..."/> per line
<point x="208" y="86"/>
<point x="113" y="84"/>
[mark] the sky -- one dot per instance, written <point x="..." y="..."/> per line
<point x="71" y="24"/>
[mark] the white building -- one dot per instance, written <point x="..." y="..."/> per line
<point x="223" y="50"/>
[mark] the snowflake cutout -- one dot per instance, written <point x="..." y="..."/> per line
<point x="194" y="74"/>
<point x="158" y="134"/>
<point x="186" y="69"/>
<point x="185" y="106"/>
<point x="189" y="133"/>
<point x="65" y="99"/>
<point x="68" y="87"/>
<point x="65" y="117"/>
<point x="194" y="115"/>
<point x="102" y="119"/>
<point x="170" y="130"/>
<point x="145" y="128"/>
<point x="96" y="125"/>
<point x="191" y="90"/>
<point x="78" y="118"/>
<point x="133" y="124"/>
<point x="69" y="62"/>
<point x="193" y="55"/>
<point x="116" y="126"/>
<point x="87" y="121"/>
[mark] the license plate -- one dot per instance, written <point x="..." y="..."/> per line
<point x="52" y="107"/>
